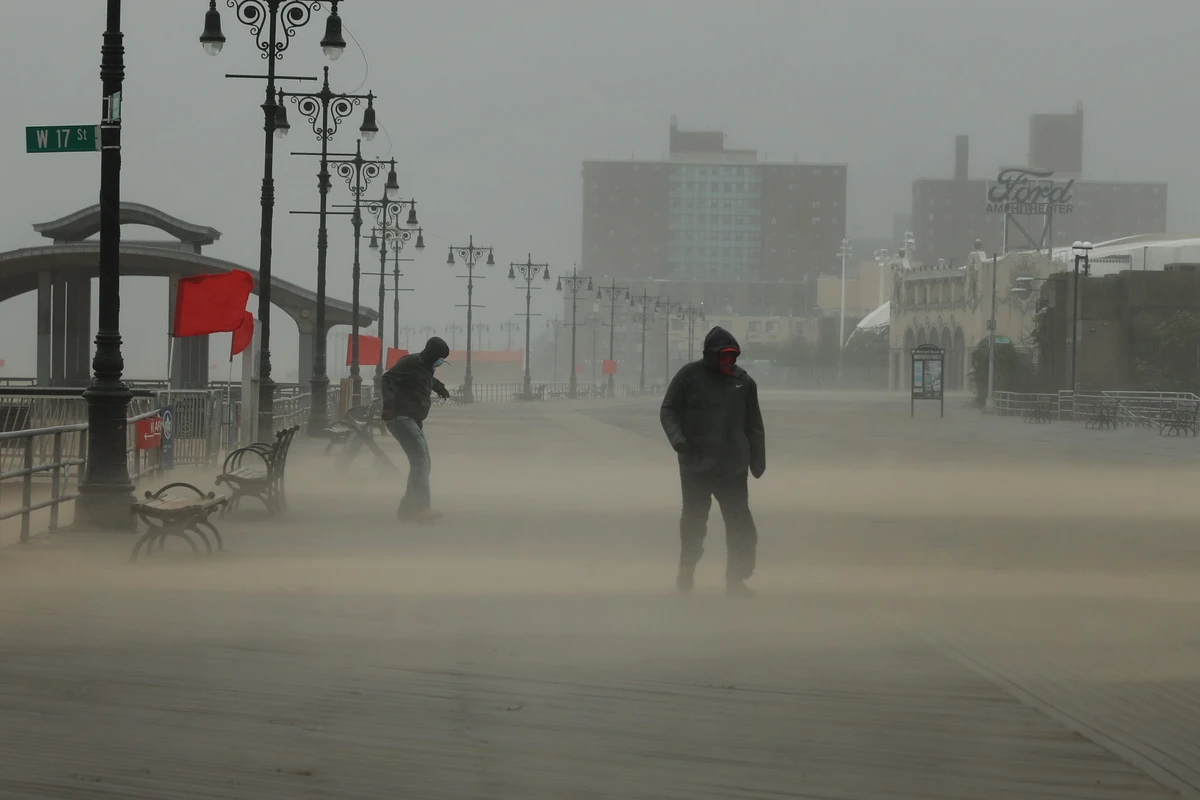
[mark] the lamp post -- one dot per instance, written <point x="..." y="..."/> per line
<point x="325" y="111"/>
<point x="1083" y="255"/>
<point x="990" y="402"/>
<point x="358" y="172"/>
<point x="844" y="252"/>
<point x="480" y="329"/>
<point x="454" y="330"/>
<point x="557" y="323"/>
<point x="106" y="492"/>
<point x="470" y="256"/>
<point x="642" y="301"/>
<point x="612" y="291"/>
<point x="263" y="17"/>
<point x="428" y="331"/>
<point x="509" y="327"/>
<point x="407" y="330"/>
<point x="574" y="283"/>
<point x="692" y="315"/>
<point x="386" y="213"/>
<point x="528" y="271"/>
<point x="668" y="308"/>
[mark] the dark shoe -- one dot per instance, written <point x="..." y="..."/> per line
<point x="426" y="516"/>
<point x="686" y="578"/>
<point x="738" y="588"/>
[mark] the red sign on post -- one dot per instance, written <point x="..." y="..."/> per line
<point x="149" y="433"/>
<point x="609" y="367"/>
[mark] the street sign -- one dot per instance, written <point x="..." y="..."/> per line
<point x="167" y="429"/>
<point x="927" y="370"/>
<point x="62" y="139"/>
<point x="1003" y="340"/>
<point x="148" y="433"/>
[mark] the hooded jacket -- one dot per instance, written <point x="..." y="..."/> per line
<point x="712" y="419"/>
<point x="407" y="385"/>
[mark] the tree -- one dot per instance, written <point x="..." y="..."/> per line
<point x="1173" y="362"/>
<point x="1012" y="374"/>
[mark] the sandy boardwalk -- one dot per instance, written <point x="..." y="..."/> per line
<point x="959" y="608"/>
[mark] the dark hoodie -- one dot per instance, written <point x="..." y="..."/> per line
<point x="408" y="384"/>
<point x="712" y="419"/>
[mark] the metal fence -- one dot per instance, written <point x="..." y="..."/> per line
<point x="1132" y="408"/>
<point x="58" y="441"/>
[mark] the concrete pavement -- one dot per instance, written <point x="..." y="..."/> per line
<point x="958" y="608"/>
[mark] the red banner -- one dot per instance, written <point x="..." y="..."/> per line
<point x="609" y="367"/>
<point x="243" y="335"/>
<point x="148" y="432"/>
<point x="211" y="303"/>
<point x="394" y="355"/>
<point x="370" y="348"/>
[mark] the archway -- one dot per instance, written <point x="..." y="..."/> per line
<point x="948" y="346"/>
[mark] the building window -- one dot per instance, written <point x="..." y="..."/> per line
<point x="772" y="327"/>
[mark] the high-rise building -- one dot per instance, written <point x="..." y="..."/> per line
<point x="1056" y="142"/>
<point x="711" y="213"/>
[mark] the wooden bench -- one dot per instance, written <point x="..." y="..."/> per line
<point x="1103" y="417"/>
<point x="1179" y="421"/>
<point x="357" y="435"/>
<point x="1038" y="412"/>
<point x="257" y="470"/>
<point x="181" y="515"/>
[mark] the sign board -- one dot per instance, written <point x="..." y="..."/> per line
<point x="609" y="367"/>
<point x="148" y="432"/>
<point x="167" y="415"/>
<point x="1003" y="340"/>
<point x="1026" y="191"/>
<point x="62" y="139"/>
<point x="928" y="364"/>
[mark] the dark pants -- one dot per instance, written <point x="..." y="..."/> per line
<point x="741" y="537"/>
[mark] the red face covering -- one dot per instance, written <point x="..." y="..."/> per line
<point x="726" y="359"/>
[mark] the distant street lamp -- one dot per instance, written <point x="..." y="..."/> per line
<point x="643" y="302"/>
<point x="325" y="111"/>
<point x="612" y="292"/>
<point x="386" y="214"/>
<point x="453" y="331"/>
<point x="358" y="172"/>
<point x="668" y="308"/>
<point x="470" y="256"/>
<point x="528" y="272"/>
<point x="692" y="315"/>
<point x="1083" y="256"/>
<point x="509" y="327"/>
<point x="574" y="283"/>
<point x="263" y="17"/>
<point x="844" y="252"/>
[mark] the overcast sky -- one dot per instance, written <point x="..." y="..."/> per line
<point x="491" y="107"/>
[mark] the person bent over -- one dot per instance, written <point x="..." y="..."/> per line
<point x="406" y="390"/>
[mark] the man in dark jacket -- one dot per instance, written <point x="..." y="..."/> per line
<point x="711" y="417"/>
<point x="406" y="389"/>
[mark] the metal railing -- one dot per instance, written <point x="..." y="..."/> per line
<point x="58" y="466"/>
<point x="1132" y="408"/>
<point x="291" y="410"/>
<point x="1009" y="404"/>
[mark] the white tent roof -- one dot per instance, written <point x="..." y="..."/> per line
<point x="878" y="318"/>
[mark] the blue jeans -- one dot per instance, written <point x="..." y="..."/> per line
<point x="411" y="437"/>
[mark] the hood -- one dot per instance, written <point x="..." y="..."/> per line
<point x="435" y="348"/>
<point x="718" y="339"/>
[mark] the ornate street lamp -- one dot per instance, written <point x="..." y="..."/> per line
<point x="529" y="272"/>
<point x="612" y="292"/>
<point x="470" y="256"/>
<point x="574" y="283"/>
<point x="272" y="23"/>
<point x="387" y="216"/>
<point x="647" y="305"/>
<point x="325" y="111"/>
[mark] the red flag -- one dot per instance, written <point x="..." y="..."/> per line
<point x="370" y="348"/>
<point x="609" y="367"/>
<point x="211" y="303"/>
<point x="394" y="355"/>
<point x="243" y="335"/>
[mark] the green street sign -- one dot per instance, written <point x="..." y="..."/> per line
<point x="1003" y="340"/>
<point x="62" y="139"/>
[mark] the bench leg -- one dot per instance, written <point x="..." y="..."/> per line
<point x="216" y="534"/>
<point x="157" y="534"/>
